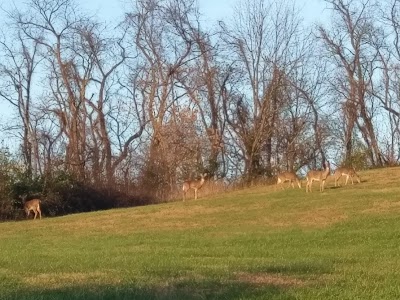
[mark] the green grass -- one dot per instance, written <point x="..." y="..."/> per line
<point x="258" y="243"/>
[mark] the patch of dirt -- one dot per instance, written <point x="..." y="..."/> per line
<point x="57" y="280"/>
<point x="322" y="217"/>
<point x="383" y="207"/>
<point x="319" y="218"/>
<point x="177" y="217"/>
<point x="271" y="279"/>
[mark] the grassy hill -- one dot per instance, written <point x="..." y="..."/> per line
<point x="258" y="243"/>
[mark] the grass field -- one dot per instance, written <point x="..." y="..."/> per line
<point x="258" y="243"/>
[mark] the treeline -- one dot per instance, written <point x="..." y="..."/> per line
<point x="129" y="110"/>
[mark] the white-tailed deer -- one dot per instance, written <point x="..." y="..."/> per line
<point x="318" y="175"/>
<point x="193" y="184"/>
<point x="348" y="172"/>
<point x="32" y="205"/>
<point x="288" y="176"/>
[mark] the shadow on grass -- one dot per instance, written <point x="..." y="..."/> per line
<point x="335" y="187"/>
<point x="181" y="290"/>
<point x="299" y="269"/>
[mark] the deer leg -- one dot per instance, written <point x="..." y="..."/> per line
<point x="336" y="179"/>
<point x="347" y="179"/>
<point x="35" y="211"/>
<point x="40" y="213"/>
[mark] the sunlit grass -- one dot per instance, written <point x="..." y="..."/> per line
<point x="258" y="243"/>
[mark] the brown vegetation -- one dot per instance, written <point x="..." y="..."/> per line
<point x="139" y="107"/>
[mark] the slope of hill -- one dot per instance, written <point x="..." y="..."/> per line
<point x="258" y="243"/>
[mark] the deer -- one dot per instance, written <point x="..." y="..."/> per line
<point x="288" y="176"/>
<point x="348" y="172"/>
<point x="193" y="184"/>
<point x="32" y="205"/>
<point x="318" y="175"/>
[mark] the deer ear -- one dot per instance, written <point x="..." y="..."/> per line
<point x="23" y="197"/>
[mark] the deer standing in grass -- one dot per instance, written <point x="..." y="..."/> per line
<point x="348" y="172"/>
<point x="193" y="184"/>
<point x="318" y="175"/>
<point x="288" y="176"/>
<point x="32" y="205"/>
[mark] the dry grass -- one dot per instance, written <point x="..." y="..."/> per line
<point x="58" y="280"/>
<point x="316" y="218"/>
<point x="272" y="279"/>
<point x="164" y="217"/>
<point x="385" y="206"/>
<point x="242" y="244"/>
<point x="322" y="217"/>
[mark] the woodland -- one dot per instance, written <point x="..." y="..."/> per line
<point x="119" y="114"/>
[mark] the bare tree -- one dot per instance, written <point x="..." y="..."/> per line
<point x="81" y="61"/>
<point x="161" y="33"/>
<point x="349" y="45"/>
<point x="387" y="89"/>
<point x="201" y="81"/>
<point x="17" y="69"/>
<point x="261" y="44"/>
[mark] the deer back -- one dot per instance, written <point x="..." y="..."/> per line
<point x="32" y="204"/>
<point x="287" y="176"/>
<point x="345" y="171"/>
<point x="194" y="184"/>
<point x="319" y="174"/>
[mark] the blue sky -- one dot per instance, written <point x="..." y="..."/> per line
<point x="212" y="9"/>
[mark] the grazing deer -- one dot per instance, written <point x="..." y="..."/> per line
<point x="348" y="172"/>
<point x="193" y="184"/>
<point x="316" y="175"/>
<point x="32" y="205"/>
<point x="288" y="176"/>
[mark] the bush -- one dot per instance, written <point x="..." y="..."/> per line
<point x="61" y="194"/>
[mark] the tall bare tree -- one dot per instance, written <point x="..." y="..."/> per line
<point x="162" y="32"/>
<point x="17" y="69"/>
<point x="387" y="89"/>
<point x="261" y="43"/>
<point x="201" y="80"/>
<point x="81" y="60"/>
<point x="349" y="45"/>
